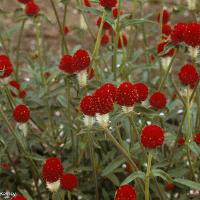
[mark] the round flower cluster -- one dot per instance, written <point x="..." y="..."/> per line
<point x="78" y="64"/>
<point x="21" y="113"/>
<point x="32" y="9"/>
<point x="158" y="100"/>
<point x="18" y="197"/>
<point x="6" y="67"/>
<point x="101" y="102"/>
<point x="108" y="3"/>
<point x="53" y="174"/>
<point x="126" y="192"/>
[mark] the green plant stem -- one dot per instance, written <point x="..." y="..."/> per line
<point x="18" y="48"/>
<point x="69" y="195"/>
<point x="147" y="178"/>
<point x="190" y="164"/>
<point x="60" y="25"/>
<point x="163" y="79"/>
<point x="4" y="45"/>
<point x="92" y="157"/>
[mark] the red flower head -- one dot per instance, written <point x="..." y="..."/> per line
<point x="52" y="170"/>
<point x="69" y="181"/>
<point x="166" y="29"/>
<point x="181" y="140"/>
<point x="178" y="32"/>
<point x="115" y="12"/>
<point x="66" y="30"/>
<point x="188" y="75"/>
<point x="141" y="91"/>
<point x="87" y="3"/>
<point x="158" y="100"/>
<point x="66" y="64"/>
<point x="32" y="8"/>
<point x="105" y="39"/>
<point x="87" y="106"/>
<point x="24" y="1"/>
<point x="126" y="95"/>
<point x="166" y="17"/>
<point x="106" y="25"/>
<point x="21" y="113"/>
<point x="161" y="48"/>
<point x="108" y="3"/>
<point x="191" y="35"/>
<point x="81" y="60"/>
<point x="126" y="192"/>
<point x="6" y="67"/>
<point x="169" y="187"/>
<point x="19" y="197"/>
<point x="122" y="41"/>
<point x="197" y="138"/>
<point x="22" y="94"/>
<point x="108" y="89"/>
<point x="14" y="84"/>
<point x="152" y="136"/>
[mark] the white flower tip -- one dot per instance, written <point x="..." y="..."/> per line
<point x="82" y="78"/>
<point x="126" y="109"/>
<point x="53" y="187"/>
<point x="103" y="120"/>
<point x="88" y="121"/>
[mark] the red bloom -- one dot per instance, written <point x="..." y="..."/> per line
<point x="152" y="136"/>
<point x="32" y="8"/>
<point x="169" y="186"/>
<point x="21" y="113"/>
<point x="19" y="197"/>
<point x="5" y="165"/>
<point x="87" y="106"/>
<point x="188" y="75"/>
<point x="81" y="60"/>
<point x="108" y="3"/>
<point x="14" y="84"/>
<point x="126" y="95"/>
<point x="197" y="138"/>
<point x="126" y="192"/>
<point x="181" y="140"/>
<point x="166" y="17"/>
<point x="66" y="64"/>
<point x="158" y="100"/>
<point x="115" y="12"/>
<point x="6" y="67"/>
<point x="122" y="41"/>
<point x="69" y="181"/>
<point x="141" y="91"/>
<point x="24" y="1"/>
<point x="178" y="32"/>
<point x="87" y="3"/>
<point x="191" y="35"/>
<point x="166" y="29"/>
<point x="161" y="48"/>
<point x="52" y="170"/>
<point x="108" y="89"/>
<point x="66" y="30"/>
<point x="105" y="39"/>
<point x="106" y="25"/>
<point x="22" y="94"/>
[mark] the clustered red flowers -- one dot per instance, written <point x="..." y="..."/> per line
<point x="53" y="174"/>
<point x="152" y="136"/>
<point x="108" y="3"/>
<point x="18" y="197"/>
<point x="188" y="75"/>
<point x="158" y="100"/>
<point x="6" y="67"/>
<point x="126" y="192"/>
<point x="21" y="113"/>
<point x="189" y="33"/>
<point x="32" y="9"/>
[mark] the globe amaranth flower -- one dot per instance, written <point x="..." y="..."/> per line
<point x="181" y="140"/>
<point x="87" y="3"/>
<point x="141" y="91"/>
<point x="52" y="171"/>
<point x="197" y="138"/>
<point x="18" y="197"/>
<point x="166" y="29"/>
<point x="106" y="25"/>
<point x="88" y="108"/>
<point x="126" y="96"/>
<point x="188" y="75"/>
<point x="165" y="16"/>
<point x="6" y="67"/>
<point x="16" y="89"/>
<point x="122" y="41"/>
<point x="69" y="181"/>
<point x="32" y="8"/>
<point x="105" y="39"/>
<point x="67" y="65"/>
<point x="116" y="12"/>
<point x="158" y="100"/>
<point x="126" y="192"/>
<point x="152" y="136"/>
<point x="21" y="113"/>
<point x="169" y="187"/>
<point x="108" y="3"/>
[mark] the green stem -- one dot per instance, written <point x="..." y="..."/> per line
<point x="18" y="48"/>
<point x="3" y="45"/>
<point x="69" y="195"/>
<point x="147" y="178"/>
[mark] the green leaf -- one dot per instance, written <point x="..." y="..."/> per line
<point x="162" y="174"/>
<point x="188" y="183"/>
<point x="133" y="176"/>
